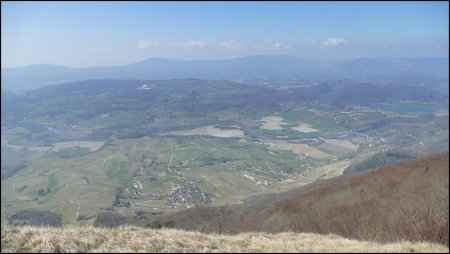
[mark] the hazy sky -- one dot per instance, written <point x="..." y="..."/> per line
<point x="80" y="34"/>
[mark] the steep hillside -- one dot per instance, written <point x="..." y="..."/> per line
<point x="379" y="160"/>
<point x="403" y="201"/>
<point x="133" y="239"/>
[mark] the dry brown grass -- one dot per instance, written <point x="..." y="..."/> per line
<point x="298" y="148"/>
<point x="305" y="128"/>
<point x="208" y="131"/>
<point x="406" y="200"/>
<point x="92" y="145"/>
<point x="134" y="239"/>
<point x="339" y="146"/>
<point x="272" y="123"/>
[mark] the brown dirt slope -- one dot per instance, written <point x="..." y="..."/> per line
<point x="405" y="200"/>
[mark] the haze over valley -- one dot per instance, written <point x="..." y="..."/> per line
<point x="267" y="139"/>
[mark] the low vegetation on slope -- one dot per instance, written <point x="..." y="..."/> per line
<point x="379" y="160"/>
<point x="403" y="201"/>
<point x="133" y="239"/>
<point x="407" y="200"/>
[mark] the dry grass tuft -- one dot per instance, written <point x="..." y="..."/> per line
<point x="134" y="239"/>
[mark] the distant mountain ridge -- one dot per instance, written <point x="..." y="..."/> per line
<point x="262" y="67"/>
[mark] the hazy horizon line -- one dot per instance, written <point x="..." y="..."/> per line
<point x="218" y="59"/>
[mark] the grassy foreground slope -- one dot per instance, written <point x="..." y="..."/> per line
<point x="134" y="239"/>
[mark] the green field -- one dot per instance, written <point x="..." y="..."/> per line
<point x="206" y="161"/>
<point x="143" y="166"/>
<point x="52" y="182"/>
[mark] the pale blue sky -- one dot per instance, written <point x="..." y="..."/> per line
<point x="81" y="34"/>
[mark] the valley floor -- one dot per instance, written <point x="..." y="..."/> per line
<point x="134" y="239"/>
